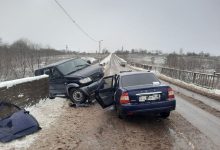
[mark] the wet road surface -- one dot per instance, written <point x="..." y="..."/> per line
<point x="92" y="128"/>
<point x="205" y="122"/>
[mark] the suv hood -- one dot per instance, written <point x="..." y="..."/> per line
<point x="86" y="72"/>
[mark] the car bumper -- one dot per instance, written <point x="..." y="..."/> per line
<point x="90" y="89"/>
<point x="156" y="107"/>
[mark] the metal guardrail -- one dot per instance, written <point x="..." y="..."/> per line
<point x="201" y="79"/>
<point x="144" y="66"/>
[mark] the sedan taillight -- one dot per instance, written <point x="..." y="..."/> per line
<point x="170" y="94"/>
<point x="124" y="99"/>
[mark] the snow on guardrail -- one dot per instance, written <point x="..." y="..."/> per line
<point x="26" y="91"/>
<point x="211" y="93"/>
<point x="106" y="59"/>
<point x="121" y="59"/>
<point x="91" y="59"/>
<point x="11" y="83"/>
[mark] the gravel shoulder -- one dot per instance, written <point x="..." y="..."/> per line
<point x="92" y="128"/>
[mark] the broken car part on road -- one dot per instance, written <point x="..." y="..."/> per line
<point x="15" y="122"/>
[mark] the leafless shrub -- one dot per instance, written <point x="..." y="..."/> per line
<point x="193" y="62"/>
<point x="21" y="58"/>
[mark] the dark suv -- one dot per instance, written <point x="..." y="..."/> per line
<point x="72" y="78"/>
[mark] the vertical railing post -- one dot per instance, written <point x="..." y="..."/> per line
<point x="213" y="80"/>
<point x="194" y="77"/>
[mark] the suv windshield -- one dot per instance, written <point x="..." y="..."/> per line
<point x="72" y="66"/>
<point x="138" y="79"/>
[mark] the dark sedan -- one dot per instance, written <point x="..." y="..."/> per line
<point x="136" y="93"/>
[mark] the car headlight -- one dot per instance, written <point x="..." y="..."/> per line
<point x="85" y="80"/>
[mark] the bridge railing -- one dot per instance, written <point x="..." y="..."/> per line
<point x="201" y="79"/>
<point x="26" y="91"/>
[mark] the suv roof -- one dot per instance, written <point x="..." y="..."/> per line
<point x="57" y="63"/>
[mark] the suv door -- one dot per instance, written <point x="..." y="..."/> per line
<point x="56" y="82"/>
<point x="104" y="95"/>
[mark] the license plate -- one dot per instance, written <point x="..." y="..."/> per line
<point x="142" y="98"/>
<point x="149" y="97"/>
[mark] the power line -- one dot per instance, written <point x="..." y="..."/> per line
<point x="74" y="22"/>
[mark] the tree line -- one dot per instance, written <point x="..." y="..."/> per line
<point x="21" y="58"/>
<point x="200" y="62"/>
<point x="192" y="61"/>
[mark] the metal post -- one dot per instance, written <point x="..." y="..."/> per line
<point x="100" y="50"/>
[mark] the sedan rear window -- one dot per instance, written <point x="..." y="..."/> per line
<point x="138" y="79"/>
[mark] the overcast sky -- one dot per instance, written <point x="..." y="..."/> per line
<point x="169" y="25"/>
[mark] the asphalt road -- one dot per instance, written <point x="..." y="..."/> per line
<point x="89" y="128"/>
<point x="207" y="123"/>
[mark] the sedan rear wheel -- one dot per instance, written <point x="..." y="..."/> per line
<point x="165" y="114"/>
<point x="119" y="113"/>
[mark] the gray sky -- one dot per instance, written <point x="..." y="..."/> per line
<point x="169" y="25"/>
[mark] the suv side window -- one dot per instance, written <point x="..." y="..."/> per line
<point x="47" y="71"/>
<point x="55" y="74"/>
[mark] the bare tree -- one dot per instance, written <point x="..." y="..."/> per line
<point x="21" y="58"/>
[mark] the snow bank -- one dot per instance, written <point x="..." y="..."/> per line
<point x="46" y="112"/>
<point x="211" y="93"/>
<point x="11" y="83"/>
<point x="137" y="68"/>
<point x="106" y="59"/>
<point x="91" y="59"/>
<point x="121" y="59"/>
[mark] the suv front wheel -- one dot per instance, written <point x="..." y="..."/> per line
<point x="77" y="96"/>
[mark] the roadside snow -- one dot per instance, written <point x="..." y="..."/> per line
<point x="205" y="90"/>
<point x="46" y="112"/>
<point x="137" y="68"/>
<point x="217" y="91"/>
<point x="91" y="59"/>
<point x="11" y="83"/>
<point x="21" y="95"/>
<point x="106" y="59"/>
<point x="121" y="59"/>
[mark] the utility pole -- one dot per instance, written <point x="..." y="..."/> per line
<point x="100" y="46"/>
<point x="66" y="48"/>
<point x="100" y="49"/>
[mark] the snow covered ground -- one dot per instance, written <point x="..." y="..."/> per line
<point x="46" y="112"/>
<point x="121" y="59"/>
<point x="91" y="59"/>
<point x="106" y="59"/>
